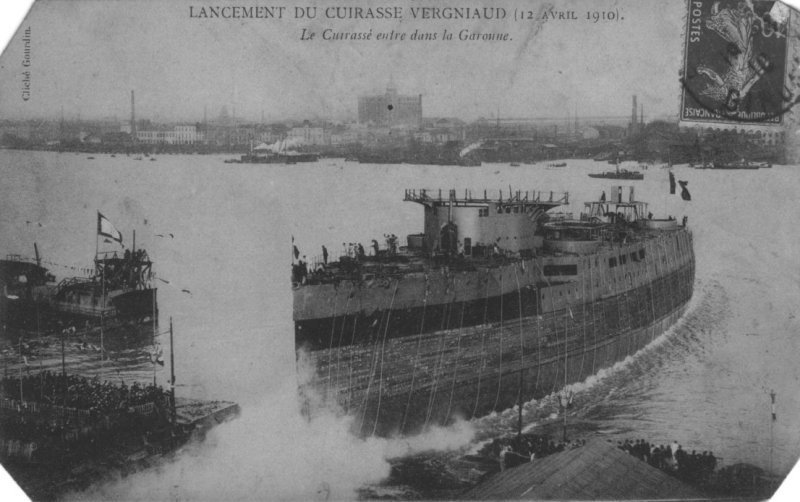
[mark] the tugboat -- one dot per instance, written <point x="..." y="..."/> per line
<point x="120" y="289"/>
<point x="495" y="302"/>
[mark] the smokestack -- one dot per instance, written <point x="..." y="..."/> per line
<point x="576" y="120"/>
<point x="133" y="115"/>
<point x="641" y="120"/>
<point x="633" y="114"/>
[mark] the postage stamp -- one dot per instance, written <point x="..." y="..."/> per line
<point x="735" y="62"/>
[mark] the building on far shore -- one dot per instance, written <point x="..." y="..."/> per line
<point x="178" y="135"/>
<point x="390" y="109"/>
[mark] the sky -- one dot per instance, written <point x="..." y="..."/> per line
<point x="87" y="55"/>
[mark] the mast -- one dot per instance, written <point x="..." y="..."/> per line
<point x="772" y="431"/>
<point x="22" y="360"/>
<point x="63" y="360"/>
<point x="36" y="252"/>
<point x="519" y="406"/>
<point x="171" y="372"/>
<point x="97" y="240"/>
<point x="103" y="308"/>
<point x="154" y="337"/>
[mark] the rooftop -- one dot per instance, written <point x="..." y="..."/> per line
<point x="595" y="471"/>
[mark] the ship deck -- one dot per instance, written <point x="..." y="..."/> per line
<point x="409" y="262"/>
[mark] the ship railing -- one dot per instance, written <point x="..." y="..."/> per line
<point x="73" y="280"/>
<point x="423" y="195"/>
<point x="560" y="216"/>
<point x="109" y="310"/>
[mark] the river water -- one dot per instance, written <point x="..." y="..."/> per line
<point x="223" y="277"/>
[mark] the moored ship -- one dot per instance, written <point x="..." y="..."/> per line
<point x="22" y="283"/>
<point x="493" y="304"/>
<point x="120" y="288"/>
<point x="619" y="174"/>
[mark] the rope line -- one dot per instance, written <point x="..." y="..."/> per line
<point x="521" y="340"/>
<point x="483" y="346"/>
<point x="500" y="359"/>
<point x="383" y="345"/>
<point x="416" y="357"/>
<point x="455" y="364"/>
<point x="330" y="345"/>
<point x="594" y="317"/>
<point x="583" y="320"/>
<point x="341" y="334"/>
<point x="352" y="342"/>
<point x="438" y="364"/>
<point x="373" y="367"/>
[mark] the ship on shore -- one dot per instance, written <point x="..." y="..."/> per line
<point x="495" y="303"/>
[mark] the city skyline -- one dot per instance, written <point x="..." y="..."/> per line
<point x="86" y="58"/>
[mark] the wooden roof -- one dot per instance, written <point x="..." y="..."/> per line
<point x="596" y="471"/>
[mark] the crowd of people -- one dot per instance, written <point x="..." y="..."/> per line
<point x="511" y="451"/>
<point x="74" y="391"/>
<point x="694" y="468"/>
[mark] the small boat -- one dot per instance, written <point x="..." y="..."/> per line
<point x="89" y="158"/>
<point x="515" y="164"/>
<point x="557" y="164"/>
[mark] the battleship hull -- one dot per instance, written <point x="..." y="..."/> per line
<point x="404" y="353"/>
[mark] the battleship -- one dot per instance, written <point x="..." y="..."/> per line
<point x="495" y="303"/>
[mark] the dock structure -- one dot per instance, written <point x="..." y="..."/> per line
<point x="204" y="414"/>
<point x="595" y="471"/>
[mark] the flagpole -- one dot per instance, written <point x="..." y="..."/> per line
<point x="21" y="397"/>
<point x="154" y="337"/>
<point x="63" y="360"/>
<point x="103" y="308"/>
<point x="97" y="239"/>
<point x="772" y="431"/>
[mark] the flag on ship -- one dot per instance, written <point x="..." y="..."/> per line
<point x="772" y="396"/>
<point x="105" y="228"/>
<point x="685" y="195"/>
<point x="671" y="183"/>
<point x="156" y="356"/>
